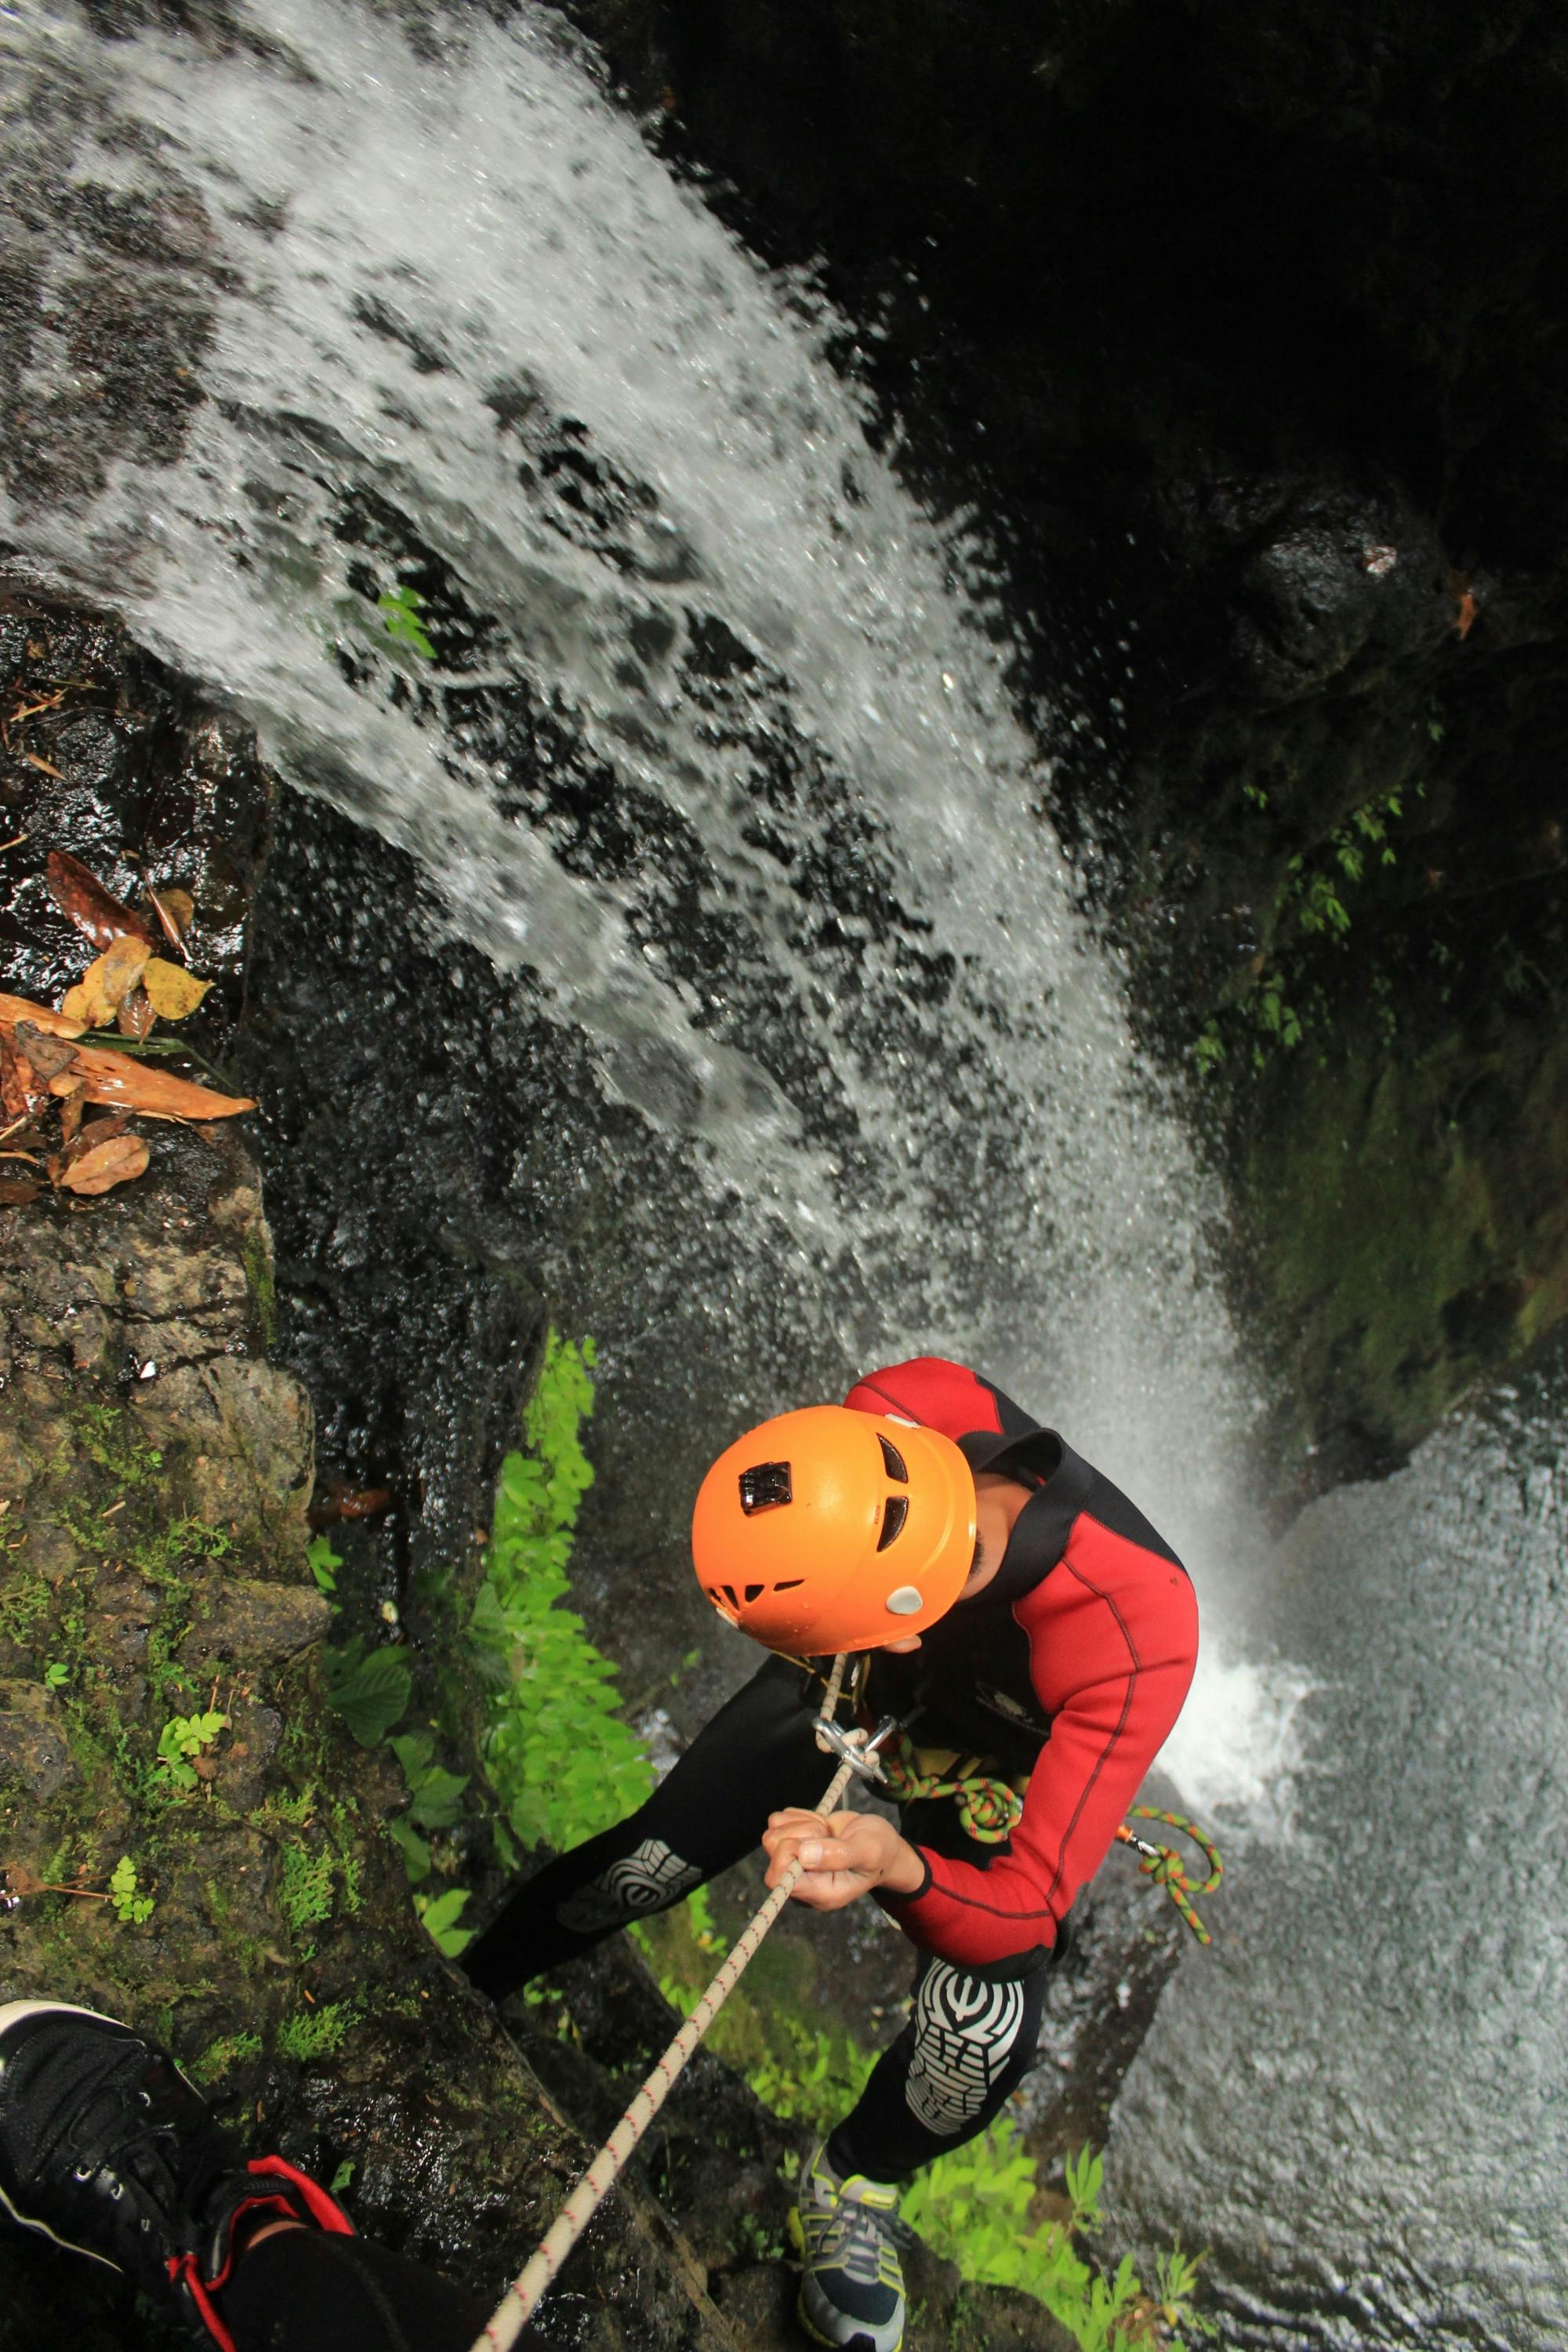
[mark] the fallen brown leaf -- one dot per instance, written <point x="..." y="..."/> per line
<point x="43" y="1016"/>
<point x="172" y="991"/>
<point x="342" y="1501"/>
<point x="97" y="913"/>
<point x="17" y="1192"/>
<point x="106" y="1165"/>
<point x="175" y="909"/>
<point x="94" y="1132"/>
<point x="48" y="1056"/>
<point x="136" y="1016"/>
<point x="124" y="1085"/>
<point x="70" y="1113"/>
<point x="20" y="1092"/>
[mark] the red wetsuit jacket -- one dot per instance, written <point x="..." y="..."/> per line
<point x="1070" y="1665"/>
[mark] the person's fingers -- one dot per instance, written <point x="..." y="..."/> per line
<point x="794" y="1820"/>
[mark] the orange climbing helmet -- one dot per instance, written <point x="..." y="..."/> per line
<point x="831" y="1529"/>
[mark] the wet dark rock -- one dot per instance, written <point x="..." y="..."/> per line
<point x="35" y="1753"/>
<point x="235" y="1621"/>
<point x="255" y="1733"/>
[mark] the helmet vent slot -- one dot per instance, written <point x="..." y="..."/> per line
<point x="790" y="1584"/>
<point x="893" y="1517"/>
<point x="729" y="1595"/>
<point x="765" y="1486"/>
<point x="894" y="1462"/>
<point x="754" y="1592"/>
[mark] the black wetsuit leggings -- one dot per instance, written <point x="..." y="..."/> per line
<point x="973" y="2028"/>
<point x="301" y="2290"/>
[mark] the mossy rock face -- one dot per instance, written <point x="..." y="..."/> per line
<point x="155" y="1480"/>
<point x="153" y="1530"/>
<point x="1418" y="1234"/>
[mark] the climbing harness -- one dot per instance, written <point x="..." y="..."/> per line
<point x="1164" y="1865"/>
<point x="860" y="1760"/>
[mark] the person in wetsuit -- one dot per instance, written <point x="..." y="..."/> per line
<point x="1057" y="1654"/>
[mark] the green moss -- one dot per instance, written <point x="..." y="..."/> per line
<point x="305" y="1887"/>
<point x="315" y="2032"/>
<point x="262" y="1285"/>
<point x="113" y="1439"/>
<point x="1402" y="1248"/>
<point x="219" y="2057"/>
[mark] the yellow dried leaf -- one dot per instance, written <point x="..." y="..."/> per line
<point x="107" y="1164"/>
<point x="173" y="992"/>
<point x="108" y="981"/>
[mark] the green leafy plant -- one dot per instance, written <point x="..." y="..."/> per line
<point x="56" y="1676"/>
<point x="562" y="1762"/>
<point x="369" y="1691"/>
<point x="400" y="609"/>
<point x="131" y="1907"/>
<point x="440" y="1914"/>
<point x="434" y="1793"/>
<point x="323" y="1563"/>
<point x="416" y="1849"/>
<point x="183" y="1738"/>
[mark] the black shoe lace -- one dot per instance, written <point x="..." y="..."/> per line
<point x="118" y="2127"/>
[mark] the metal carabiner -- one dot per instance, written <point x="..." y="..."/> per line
<point x="853" y="1747"/>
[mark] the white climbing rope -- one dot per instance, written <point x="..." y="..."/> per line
<point x="511" y="2315"/>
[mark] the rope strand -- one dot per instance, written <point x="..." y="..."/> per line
<point x="501" y="2331"/>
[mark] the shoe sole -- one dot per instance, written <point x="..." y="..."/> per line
<point x="12" y="2013"/>
<point x="860" y="2342"/>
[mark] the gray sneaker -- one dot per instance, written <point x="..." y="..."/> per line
<point x="852" y="2281"/>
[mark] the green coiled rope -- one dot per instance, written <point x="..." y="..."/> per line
<point x="988" y="1812"/>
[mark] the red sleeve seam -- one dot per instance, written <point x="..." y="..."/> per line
<point x="1106" y="1751"/>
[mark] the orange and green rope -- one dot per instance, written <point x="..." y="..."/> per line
<point x="988" y="1812"/>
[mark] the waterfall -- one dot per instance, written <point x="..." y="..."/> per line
<point x="704" y="725"/>
<point x="451" y="320"/>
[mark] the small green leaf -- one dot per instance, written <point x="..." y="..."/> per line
<point x="400" y="609"/>
<point x="57" y="1676"/>
<point x="370" y="1693"/>
<point x="323" y="1562"/>
<point x="440" y="1916"/>
<point x="415" y="1853"/>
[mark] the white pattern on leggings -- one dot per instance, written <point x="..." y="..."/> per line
<point x="964" y="2032"/>
<point x="649" y="1880"/>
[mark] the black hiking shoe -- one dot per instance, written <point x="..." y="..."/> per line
<point x="106" y="2148"/>
<point x="847" y="2236"/>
